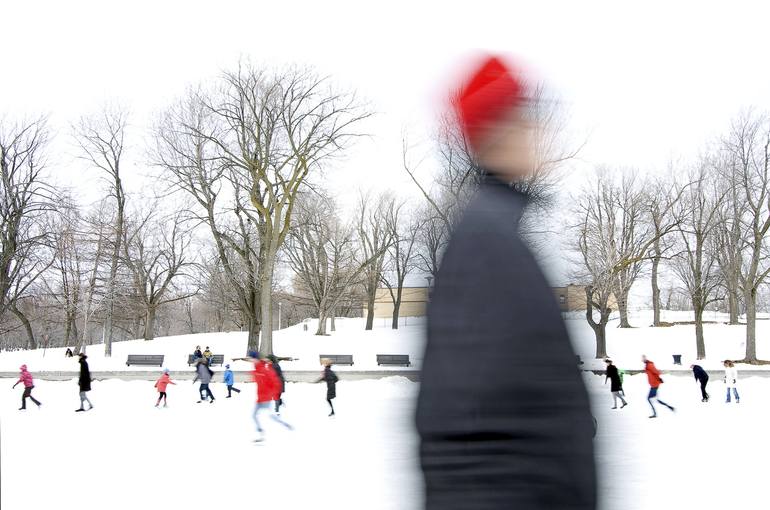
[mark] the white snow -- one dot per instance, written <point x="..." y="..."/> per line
<point x="350" y="338"/>
<point x="125" y="454"/>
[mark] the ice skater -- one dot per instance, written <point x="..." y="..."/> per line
<point x="653" y="377"/>
<point x="703" y="378"/>
<point x="204" y="374"/>
<point x="616" y="384"/>
<point x="279" y="372"/>
<point x="229" y="381"/>
<point x="161" y="384"/>
<point x="731" y="380"/>
<point x="268" y="387"/>
<point x="331" y="383"/>
<point x="84" y="383"/>
<point x="26" y="379"/>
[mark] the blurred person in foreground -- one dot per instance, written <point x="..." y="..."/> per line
<point x="512" y="428"/>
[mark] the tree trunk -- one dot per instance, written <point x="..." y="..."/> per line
<point x="655" y="287"/>
<point x="396" y="311"/>
<point x="321" y="331"/>
<point x="31" y="343"/>
<point x="622" y="297"/>
<point x="334" y="316"/>
<point x="266" y="309"/>
<point x="700" y="344"/>
<point x="732" y="306"/>
<point x="751" y="326"/>
<point x="600" y="332"/>
<point x="149" y="323"/>
<point x="371" y="294"/>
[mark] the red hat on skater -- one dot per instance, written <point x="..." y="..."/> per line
<point x="487" y="96"/>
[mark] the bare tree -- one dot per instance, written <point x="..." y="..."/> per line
<point x="401" y="256"/>
<point x="321" y="251"/>
<point x="374" y="237"/>
<point x="432" y="237"/>
<point x="694" y="264"/>
<point x="747" y="147"/>
<point x="101" y="139"/>
<point x="157" y="251"/>
<point x="25" y="201"/>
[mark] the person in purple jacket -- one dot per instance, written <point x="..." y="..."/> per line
<point x="26" y="378"/>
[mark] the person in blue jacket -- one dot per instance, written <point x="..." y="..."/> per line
<point x="703" y="378"/>
<point x="229" y="381"/>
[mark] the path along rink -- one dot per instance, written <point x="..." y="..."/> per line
<point x="125" y="454"/>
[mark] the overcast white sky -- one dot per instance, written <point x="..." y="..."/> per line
<point x="646" y="82"/>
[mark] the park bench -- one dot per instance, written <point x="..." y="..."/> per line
<point x="145" y="359"/>
<point x="338" y="359"/>
<point x="216" y="359"/>
<point x="393" y="359"/>
<point x="677" y="359"/>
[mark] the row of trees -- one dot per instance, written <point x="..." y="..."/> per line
<point x="705" y="222"/>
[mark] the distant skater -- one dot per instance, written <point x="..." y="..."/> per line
<point x="616" y="384"/>
<point x="161" y="384"/>
<point x="703" y="378"/>
<point x="331" y="383"/>
<point x="84" y="383"/>
<point x="731" y="381"/>
<point x="279" y="372"/>
<point x="68" y="353"/>
<point x="229" y="381"/>
<point x="204" y="374"/>
<point x="26" y="379"/>
<point x="653" y="377"/>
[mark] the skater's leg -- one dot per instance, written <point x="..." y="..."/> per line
<point x="728" y="395"/>
<point x="82" y="399"/>
<point x="236" y="389"/>
<point x="278" y="419"/>
<point x="620" y="396"/>
<point x="703" y="390"/>
<point x="331" y="406"/>
<point x="90" y="405"/>
<point x="256" y="417"/>
<point x="229" y="390"/>
<point x="29" y="394"/>
<point x="737" y="397"/>
<point x="24" y="396"/>
<point x="614" y="399"/>
<point x="208" y="392"/>
<point x="652" y="394"/>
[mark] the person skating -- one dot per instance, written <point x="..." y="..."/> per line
<point x="229" y="381"/>
<point x="162" y="383"/>
<point x="331" y="379"/>
<point x="26" y="379"/>
<point x="268" y="387"/>
<point x="616" y="385"/>
<point x="203" y="374"/>
<point x="503" y="414"/>
<point x="731" y="380"/>
<point x="703" y="378"/>
<point x="653" y="377"/>
<point x="275" y="360"/>
<point x="68" y="353"/>
<point x="84" y="383"/>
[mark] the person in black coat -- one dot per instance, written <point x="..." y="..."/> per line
<point x="84" y="383"/>
<point x="616" y="385"/>
<point x="331" y="383"/>
<point x="279" y="372"/>
<point x="512" y="428"/>
<point x="703" y="378"/>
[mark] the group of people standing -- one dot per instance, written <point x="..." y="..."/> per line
<point x="614" y="375"/>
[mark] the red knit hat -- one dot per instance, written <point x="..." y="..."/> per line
<point x="486" y="97"/>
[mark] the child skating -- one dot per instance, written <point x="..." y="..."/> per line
<point x="731" y="381"/>
<point x="161" y="384"/>
<point x="229" y="381"/>
<point x="331" y="383"/>
<point x="26" y="379"/>
<point x="653" y="377"/>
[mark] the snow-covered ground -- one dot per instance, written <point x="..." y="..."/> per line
<point x="350" y="338"/>
<point x="125" y="454"/>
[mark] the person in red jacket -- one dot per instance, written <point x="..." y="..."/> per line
<point x="268" y="390"/>
<point x="26" y="378"/>
<point x="653" y="377"/>
<point x="161" y="384"/>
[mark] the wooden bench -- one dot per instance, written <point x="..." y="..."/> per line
<point x="145" y="359"/>
<point x="393" y="359"/>
<point x="216" y="359"/>
<point x="338" y="359"/>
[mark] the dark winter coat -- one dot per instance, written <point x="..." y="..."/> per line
<point x="503" y="414"/>
<point x="331" y="382"/>
<point x="699" y="373"/>
<point x="612" y="374"/>
<point x="279" y="373"/>
<point x="84" y="381"/>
